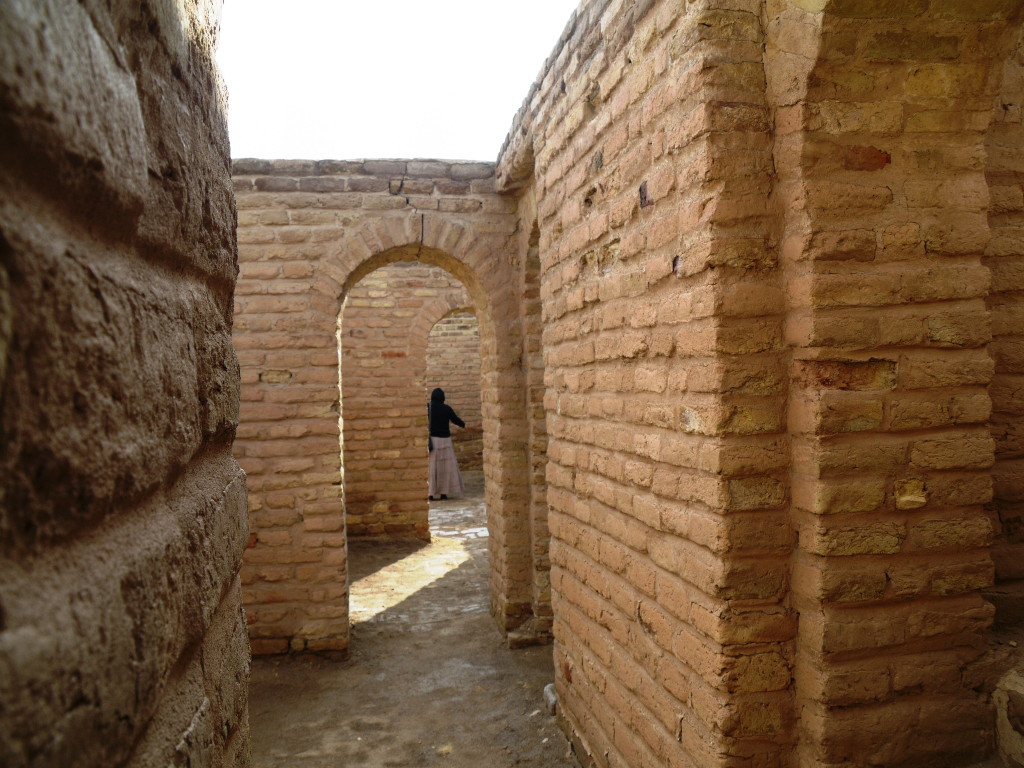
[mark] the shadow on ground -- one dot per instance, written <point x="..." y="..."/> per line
<point x="429" y="680"/>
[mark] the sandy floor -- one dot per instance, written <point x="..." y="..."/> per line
<point x="429" y="680"/>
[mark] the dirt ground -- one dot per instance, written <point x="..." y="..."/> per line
<point x="429" y="680"/>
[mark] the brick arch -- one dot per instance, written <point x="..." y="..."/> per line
<point x="460" y="251"/>
<point x="881" y="205"/>
<point x="454" y="308"/>
<point x="428" y="239"/>
<point x="302" y="252"/>
<point x="432" y="314"/>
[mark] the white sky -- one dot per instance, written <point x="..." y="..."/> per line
<point x="346" y="79"/>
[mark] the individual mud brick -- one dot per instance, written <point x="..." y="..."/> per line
<point x="896" y="46"/>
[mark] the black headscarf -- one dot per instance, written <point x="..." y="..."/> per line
<point x="441" y="415"/>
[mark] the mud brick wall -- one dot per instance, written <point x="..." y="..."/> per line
<point x="385" y="325"/>
<point x="1004" y="256"/>
<point x="122" y="510"/>
<point x="309" y="231"/>
<point x="747" y="288"/>
<point x="453" y="363"/>
<point x="880" y="141"/>
<point x="766" y="332"/>
<point x="531" y="321"/>
<point x="664" y="391"/>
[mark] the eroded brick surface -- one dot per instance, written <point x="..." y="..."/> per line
<point x="766" y="349"/>
<point x="746" y="281"/>
<point x="122" y="510"/>
<point x="1004" y="256"/>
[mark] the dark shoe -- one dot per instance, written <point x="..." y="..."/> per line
<point x="444" y="497"/>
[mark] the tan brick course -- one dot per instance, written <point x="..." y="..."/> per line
<point x="1005" y="260"/>
<point x="761" y="230"/>
<point x="881" y="251"/>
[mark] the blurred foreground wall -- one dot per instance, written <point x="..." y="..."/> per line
<point x="122" y="512"/>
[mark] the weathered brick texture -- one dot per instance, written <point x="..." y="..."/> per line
<point x="665" y="393"/>
<point x="122" y="510"/>
<point x="385" y="330"/>
<point x="453" y="363"/>
<point x="761" y="240"/>
<point x="1004" y="256"/>
<point x="747" y="277"/>
<point x="745" y="364"/>
<point x="880" y="145"/>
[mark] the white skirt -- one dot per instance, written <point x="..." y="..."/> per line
<point x="445" y="477"/>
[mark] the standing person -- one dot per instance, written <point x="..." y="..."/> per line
<point x="445" y="477"/>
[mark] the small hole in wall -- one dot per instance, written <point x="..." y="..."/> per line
<point x="677" y="266"/>
<point x="644" y="199"/>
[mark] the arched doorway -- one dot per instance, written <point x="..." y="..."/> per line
<point x="503" y="408"/>
<point x="384" y="332"/>
<point x="295" y="576"/>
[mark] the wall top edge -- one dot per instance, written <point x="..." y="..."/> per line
<point x="467" y="169"/>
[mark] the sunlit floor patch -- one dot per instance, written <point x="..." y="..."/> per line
<point x="372" y="595"/>
<point x="396" y="583"/>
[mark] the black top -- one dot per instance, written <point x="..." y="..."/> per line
<point x="440" y="415"/>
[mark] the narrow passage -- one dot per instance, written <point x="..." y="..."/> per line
<point x="429" y="680"/>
